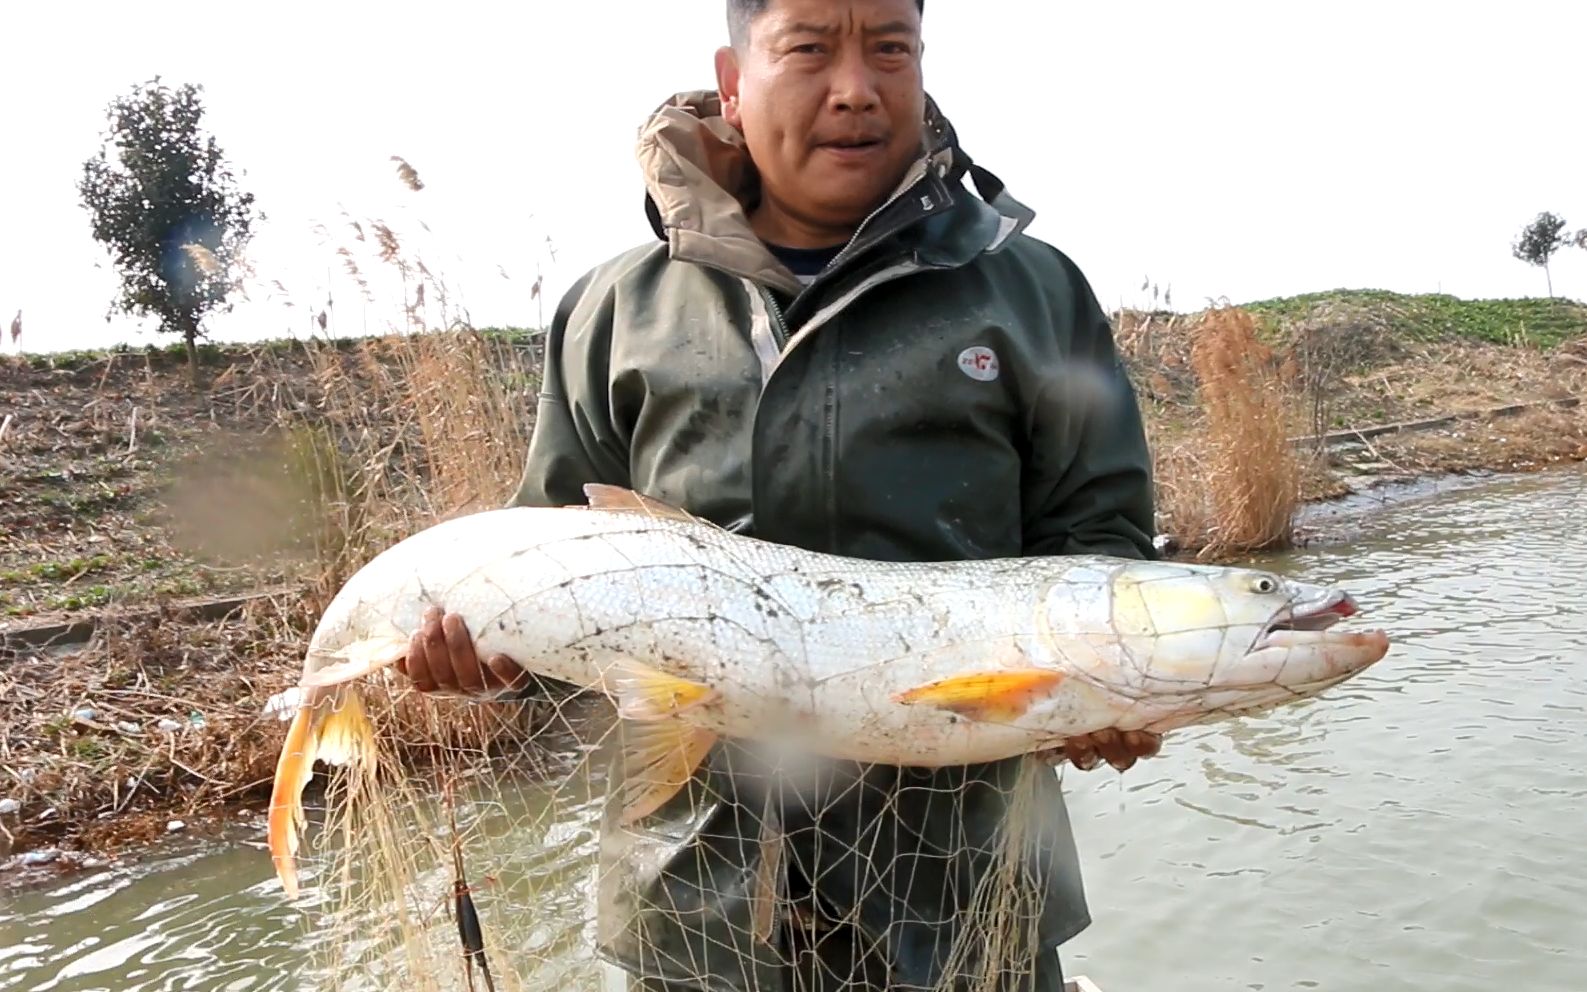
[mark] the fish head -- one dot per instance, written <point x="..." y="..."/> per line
<point x="1185" y="643"/>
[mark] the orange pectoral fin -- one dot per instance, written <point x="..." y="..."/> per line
<point x="990" y="696"/>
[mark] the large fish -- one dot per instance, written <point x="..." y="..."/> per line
<point x="698" y="633"/>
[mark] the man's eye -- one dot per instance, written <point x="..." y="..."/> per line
<point x="809" y="49"/>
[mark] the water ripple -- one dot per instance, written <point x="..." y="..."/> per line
<point x="1420" y="827"/>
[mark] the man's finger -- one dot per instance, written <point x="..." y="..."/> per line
<point x="1100" y="744"/>
<point x="438" y="653"/>
<point x="1080" y="753"/>
<point x="1143" y="744"/>
<point x="504" y="673"/>
<point x="465" y="663"/>
<point x="1111" y="745"/>
<point x="1105" y="740"/>
<point x="416" y="666"/>
<point x="1120" y="760"/>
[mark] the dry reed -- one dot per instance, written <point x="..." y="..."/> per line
<point x="408" y="174"/>
<point x="1233" y="486"/>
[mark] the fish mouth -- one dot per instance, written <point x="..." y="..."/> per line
<point x="1315" y="617"/>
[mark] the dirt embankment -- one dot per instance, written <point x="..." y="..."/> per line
<point x="1369" y="388"/>
<point x="125" y="494"/>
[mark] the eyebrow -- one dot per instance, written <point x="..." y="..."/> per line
<point x="806" y="27"/>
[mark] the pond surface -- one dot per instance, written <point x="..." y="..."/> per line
<point x="1421" y="828"/>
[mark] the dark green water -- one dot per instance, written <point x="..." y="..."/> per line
<point x="1421" y="828"/>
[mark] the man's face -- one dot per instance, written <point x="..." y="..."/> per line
<point x="830" y="98"/>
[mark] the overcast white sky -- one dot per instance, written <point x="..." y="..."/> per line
<point x="1238" y="150"/>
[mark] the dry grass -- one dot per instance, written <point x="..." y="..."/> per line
<point x="371" y="441"/>
<point x="391" y="436"/>
<point x="404" y="432"/>
<point x="1219" y="390"/>
<point x="1525" y="442"/>
<point x="1232" y="487"/>
<point x="102" y="746"/>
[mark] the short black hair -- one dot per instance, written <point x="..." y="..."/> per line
<point x="741" y="13"/>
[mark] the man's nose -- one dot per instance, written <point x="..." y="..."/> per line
<point x="853" y="87"/>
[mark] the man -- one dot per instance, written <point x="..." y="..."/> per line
<point x="834" y="344"/>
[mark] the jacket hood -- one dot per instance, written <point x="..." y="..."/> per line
<point x="700" y="184"/>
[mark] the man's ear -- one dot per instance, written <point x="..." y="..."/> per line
<point x="727" y="83"/>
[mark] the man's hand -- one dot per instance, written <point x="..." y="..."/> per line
<point x="1119" y="749"/>
<point x="441" y="658"/>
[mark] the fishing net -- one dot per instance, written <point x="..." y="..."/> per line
<point x="839" y="877"/>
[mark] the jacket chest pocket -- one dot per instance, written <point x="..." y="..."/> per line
<point x="942" y="382"/>
<point x="928" y="429"/>
<point x="688" y="400"/>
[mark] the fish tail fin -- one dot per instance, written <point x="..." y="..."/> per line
<point x="333" y="728"/>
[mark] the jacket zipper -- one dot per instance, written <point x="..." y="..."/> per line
<point x="897" y="195"/>
<point x="830" y="442"/>
<point x="778" y="327"/>
<point x="829" y="426"/>
<point x="854" y="238"/>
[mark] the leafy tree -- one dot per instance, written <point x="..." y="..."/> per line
<point x="1539" y="241"/>
<point x="167" y="208"/>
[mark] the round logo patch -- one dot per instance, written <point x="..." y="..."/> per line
<point x="978" y="363"/>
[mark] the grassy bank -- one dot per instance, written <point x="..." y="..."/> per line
<point x="123" y="488"/>
<point x="1331" y="363"/>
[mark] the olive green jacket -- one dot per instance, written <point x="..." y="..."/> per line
<point x="947" y="389"/>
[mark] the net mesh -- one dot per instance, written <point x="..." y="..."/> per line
<point x="845" y="877"/>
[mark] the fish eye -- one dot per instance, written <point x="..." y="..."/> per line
<point x="1264" y="585"/>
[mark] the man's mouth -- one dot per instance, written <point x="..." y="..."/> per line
<point x="855" y="144"/>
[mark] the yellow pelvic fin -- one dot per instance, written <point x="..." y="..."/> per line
<point x="659" y="758"/>
<point x="358" y="659"/>
<point x="334" y="729"/>
<point x="661" y="751"/>
<point x="992" y="696"/>
<point x="642" y="693"/>
<point x="605" y="497"/>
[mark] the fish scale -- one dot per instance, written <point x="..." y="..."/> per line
<point x="697" y="633"/>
